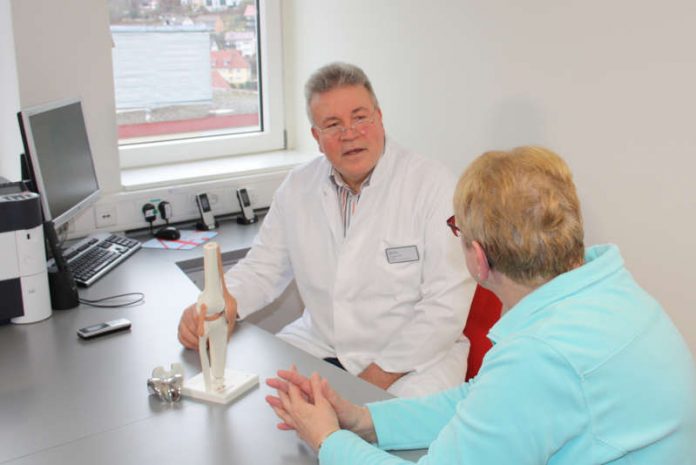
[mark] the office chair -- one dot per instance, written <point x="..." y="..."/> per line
<point x="484" y="312"/>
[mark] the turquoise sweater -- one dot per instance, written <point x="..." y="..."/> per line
<point x="587" y="369"/>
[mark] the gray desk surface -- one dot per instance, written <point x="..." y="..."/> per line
<point x="64" y="400"/>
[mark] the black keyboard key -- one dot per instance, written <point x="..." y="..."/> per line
<point x="97" y="256"/>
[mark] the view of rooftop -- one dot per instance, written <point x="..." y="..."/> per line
<point x="184" y="66"/>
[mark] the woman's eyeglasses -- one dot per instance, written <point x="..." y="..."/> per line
<point x="451" y="222"/>
<point x="453" y="226"/>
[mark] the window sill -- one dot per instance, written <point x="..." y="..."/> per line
<point x="133" y="179"/>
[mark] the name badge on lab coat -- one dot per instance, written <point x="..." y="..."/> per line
<point x="408" y="253"/>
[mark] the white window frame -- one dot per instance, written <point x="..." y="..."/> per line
<point x="271" y="138"/>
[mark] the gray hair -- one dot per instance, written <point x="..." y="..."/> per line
<point x="333" y="76"/>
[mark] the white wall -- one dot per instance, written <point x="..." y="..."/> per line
<point x="10" y="141"/>
<point x="63" y="50"/>
<point x="608" y="85"/>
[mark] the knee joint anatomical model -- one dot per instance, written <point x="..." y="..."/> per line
<point x="215" y="310"/>
<point x="212" y="321"/>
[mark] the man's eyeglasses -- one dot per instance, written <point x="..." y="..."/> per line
<point x="453" y="226"/>
<point x="359" y="123"/>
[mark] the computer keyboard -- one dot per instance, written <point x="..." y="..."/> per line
<point x="96" y="255"/>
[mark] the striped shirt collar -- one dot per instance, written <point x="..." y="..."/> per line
<point x="347" y="199"/>
<point x="338" y="181"/>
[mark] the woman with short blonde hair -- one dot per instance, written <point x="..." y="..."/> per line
<point x="586" y="367"/>
<point x="522" y="208"/>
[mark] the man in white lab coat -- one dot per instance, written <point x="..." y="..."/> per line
<point x="363" y="232"/>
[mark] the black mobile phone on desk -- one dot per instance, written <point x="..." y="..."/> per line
<point x="248" y="215"/>
<point x="106" y="327"/>
<point x="207" y="221"/>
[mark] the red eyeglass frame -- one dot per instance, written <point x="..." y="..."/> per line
<point x="452" y="223"/>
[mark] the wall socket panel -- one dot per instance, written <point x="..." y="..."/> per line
<point x="122" y="211"/>
<point x="105" y="215"/>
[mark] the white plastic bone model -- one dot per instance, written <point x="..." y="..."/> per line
<point x="212" y="337"/>
<point x="215" y="383"/>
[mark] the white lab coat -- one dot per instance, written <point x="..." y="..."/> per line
<point x="359" y="307"/>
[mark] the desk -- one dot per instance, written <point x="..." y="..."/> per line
<point x="64" y="400"/>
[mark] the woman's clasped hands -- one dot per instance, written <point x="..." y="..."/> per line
<point x="312" y="408"/>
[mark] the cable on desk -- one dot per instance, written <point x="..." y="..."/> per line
<point x="139" y="297"/>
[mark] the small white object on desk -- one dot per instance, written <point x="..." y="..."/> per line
<point x="236" y="384"/>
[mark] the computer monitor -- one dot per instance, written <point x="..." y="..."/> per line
<point x="59" y="157"/>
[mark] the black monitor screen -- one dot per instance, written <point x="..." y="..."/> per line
<point x="55" y="137"/>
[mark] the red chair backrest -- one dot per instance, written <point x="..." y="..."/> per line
<point x="484" y="312"/>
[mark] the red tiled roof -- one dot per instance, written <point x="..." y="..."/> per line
<point x="218" y="81"/>
<point x="250" y="10"/>
<point x="229" y="59"/>
<point x="209" y="123"/>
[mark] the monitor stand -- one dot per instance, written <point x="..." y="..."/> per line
<point x="60" y="281"/>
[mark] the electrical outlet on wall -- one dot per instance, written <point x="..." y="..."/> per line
<point x="155" y="202"/>
<point x="105" y="215"/>
<point x="123" y="211"/>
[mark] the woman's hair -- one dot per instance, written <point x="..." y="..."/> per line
<point x="336" y="75"/>
<point x="522" y="207"/>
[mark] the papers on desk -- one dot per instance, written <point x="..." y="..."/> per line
<point x="188" y="240"/>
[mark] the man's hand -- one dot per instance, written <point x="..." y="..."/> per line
<point x="350" y="416"/>
<point x="188" y="328"/>
<point x="375" y="375"/>
<point x="191" y="322"/>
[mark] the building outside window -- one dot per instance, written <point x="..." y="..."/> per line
<point x="188" y="82"/>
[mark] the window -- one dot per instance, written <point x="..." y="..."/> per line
<point x="196" y="79"/>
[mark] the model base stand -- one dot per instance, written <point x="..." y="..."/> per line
<point x="236" y="384"/>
